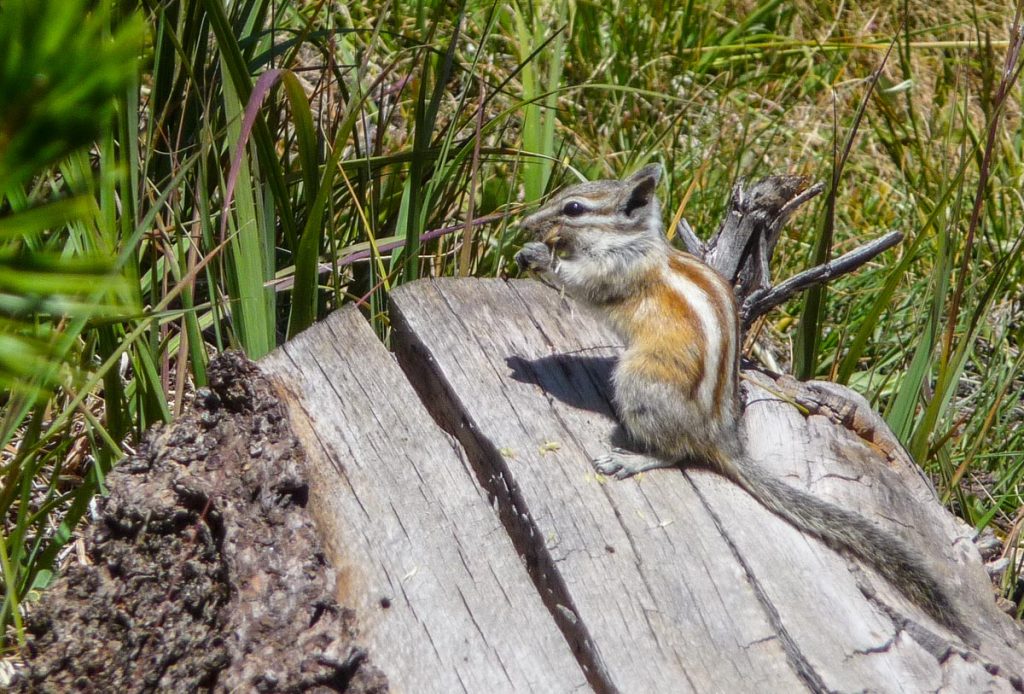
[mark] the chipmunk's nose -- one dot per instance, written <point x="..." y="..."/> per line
<point x="536" y="224"/>
<point x="528" y="223"/>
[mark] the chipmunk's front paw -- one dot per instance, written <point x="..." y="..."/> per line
<point x="620" y="463"/>
<point x="534" y="256"/>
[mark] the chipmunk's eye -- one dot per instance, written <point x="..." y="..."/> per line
<point x="573" y="209"/>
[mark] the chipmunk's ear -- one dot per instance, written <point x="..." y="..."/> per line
<point x="640" y="189"/>
<point x="649" y="171"/>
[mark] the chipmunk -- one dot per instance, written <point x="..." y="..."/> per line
<point x="676" y="385"/>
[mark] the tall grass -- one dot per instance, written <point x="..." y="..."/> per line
<point x="272" y="160"/>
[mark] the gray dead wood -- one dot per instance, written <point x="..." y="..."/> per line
<point x="678" y="581"/>
<point x="443" y="602"/>
<point x="742" y="247"/>
<point x="761" y="301"/>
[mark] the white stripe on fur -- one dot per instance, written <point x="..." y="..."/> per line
<point x="701" y="304"/>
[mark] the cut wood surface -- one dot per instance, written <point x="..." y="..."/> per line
<point x="441" y="595"/>
<point x="501" y="562"/>
<point x="679" y="581"/>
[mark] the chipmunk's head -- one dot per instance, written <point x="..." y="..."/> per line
<point x="600" y="239"/>
<point x="599" y="212"/>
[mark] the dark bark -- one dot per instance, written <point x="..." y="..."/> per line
<point x="206" y="572"/>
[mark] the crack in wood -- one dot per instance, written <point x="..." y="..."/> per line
<point x="799" y="663"/>
<point x="440" y="591"/>
<point x="488" y="463"/>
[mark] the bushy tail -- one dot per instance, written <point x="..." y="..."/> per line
<point x="849" y="532"/>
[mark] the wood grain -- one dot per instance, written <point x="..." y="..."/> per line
<point x="443" y="601"/>
<point x="678" y="581"/>
<point x="637" y="569"/>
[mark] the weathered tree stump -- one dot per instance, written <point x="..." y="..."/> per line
<point x="679" y="581"/>
<point x="492" y="558"/>
<point x="460" y="518"/>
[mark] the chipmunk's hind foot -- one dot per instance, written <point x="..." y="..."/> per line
<point x="620" y="463"/>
